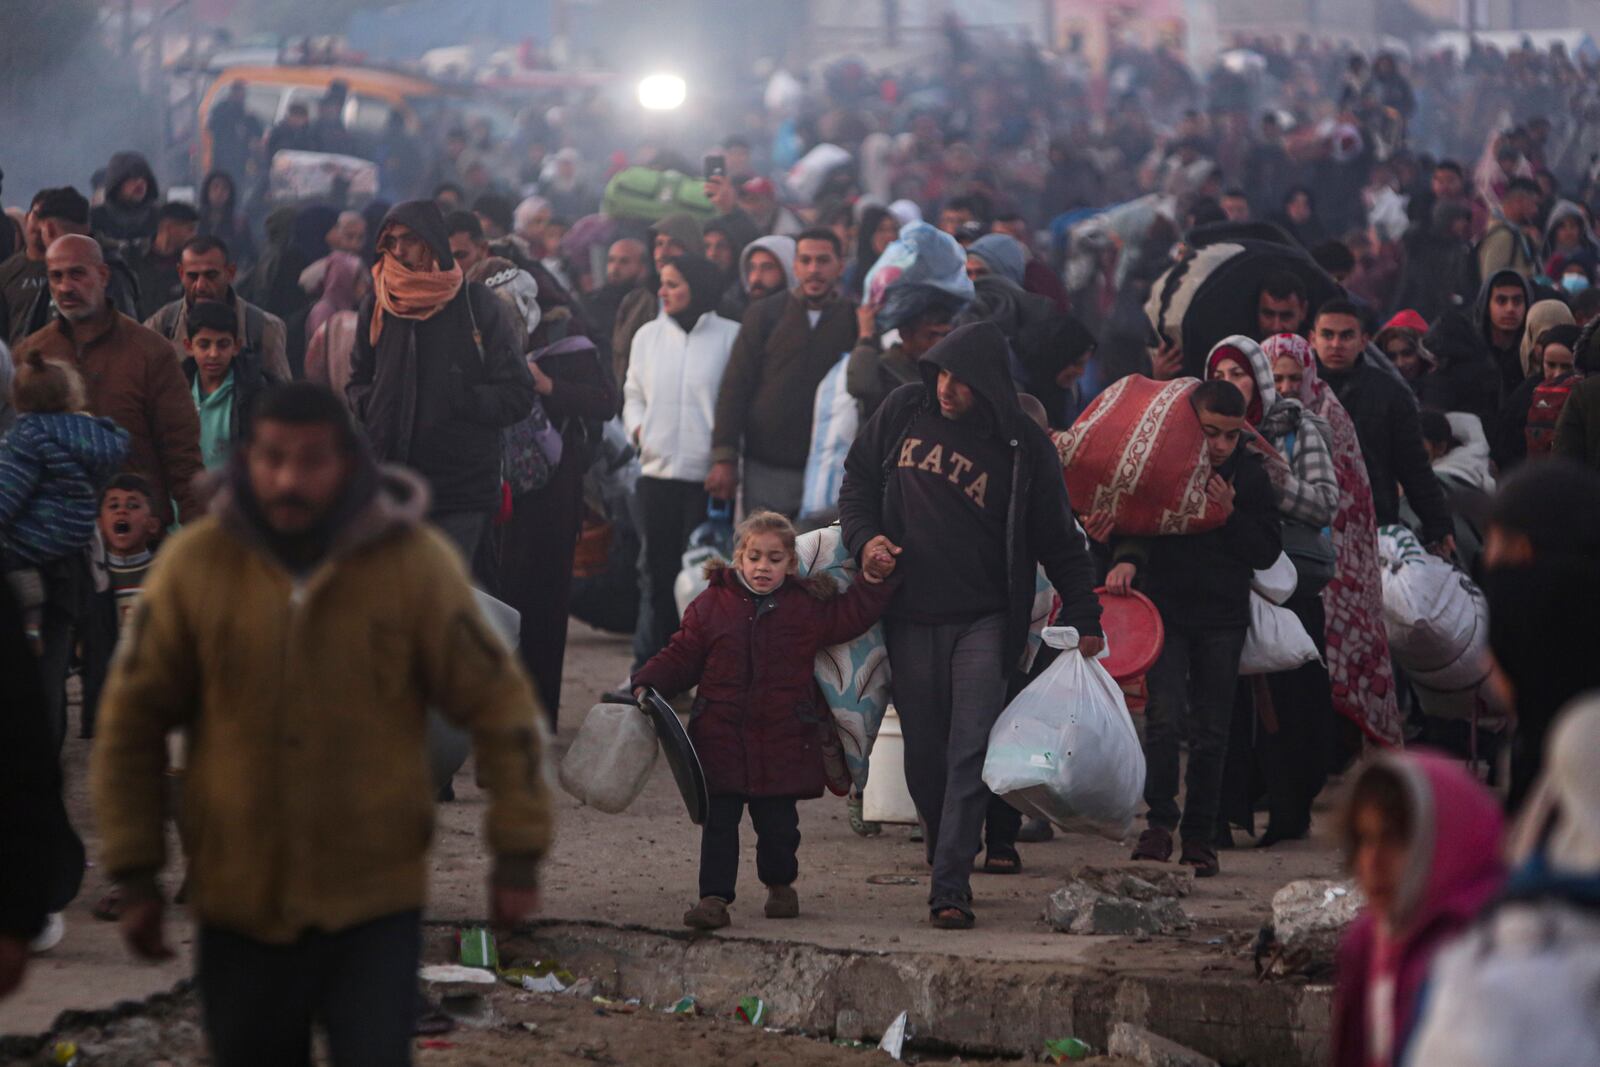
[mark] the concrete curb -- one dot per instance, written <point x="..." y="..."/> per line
<point x="969" y="1006"/>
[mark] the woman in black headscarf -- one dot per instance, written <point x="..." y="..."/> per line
<point x="274" y="283"/>
<point x="1298" y="217"/>
<point x="220" y="217"/>
<point x="875" y="230"/>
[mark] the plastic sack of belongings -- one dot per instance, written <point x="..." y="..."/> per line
<point x="712" y="539"/>
<point x="303" y="176"/>
<point x="854" y="676"/>
<point x="1438" y="626"/>
<point x="1138" y="452"/>
<point x="1065" y="749"/>
<point x="921" y="271"/>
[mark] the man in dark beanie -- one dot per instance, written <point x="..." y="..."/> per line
<point x="437" y="372"/>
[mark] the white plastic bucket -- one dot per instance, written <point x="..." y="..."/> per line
<point x="886" y="798"/>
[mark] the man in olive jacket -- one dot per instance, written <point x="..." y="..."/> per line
<point x="296" y="637"/>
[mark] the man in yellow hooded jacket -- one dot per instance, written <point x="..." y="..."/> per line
<point x="296" y="636"/>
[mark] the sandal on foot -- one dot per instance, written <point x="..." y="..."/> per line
<point x="782" y="902"/>
<point x="951" y="917"/>
<point x="1001" y="860"/>
<point x="1154" y="844"/>
<point x="1202" y="857"/>
<point x="858" y="823"/>
<point x="710" y="914"/>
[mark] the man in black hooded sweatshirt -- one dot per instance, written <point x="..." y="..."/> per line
<point x="1502" y="315"/>
<point x="132" y="201"/>
<point x="437" y="372"/>
<point x="950" y="476"/>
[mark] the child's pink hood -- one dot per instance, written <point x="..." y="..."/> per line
<point x="1455" y="865"/>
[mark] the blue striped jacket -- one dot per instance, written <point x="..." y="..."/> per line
<point x="51" y="470"/>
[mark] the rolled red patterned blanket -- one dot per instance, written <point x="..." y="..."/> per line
<point x="1139" y="453"/>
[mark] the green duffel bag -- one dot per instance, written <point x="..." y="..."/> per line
<point x="652" y="195"/>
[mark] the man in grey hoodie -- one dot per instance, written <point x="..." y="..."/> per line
<point x="766" y="266"/>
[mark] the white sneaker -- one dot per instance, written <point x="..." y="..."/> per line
<point x="55" y="928"/>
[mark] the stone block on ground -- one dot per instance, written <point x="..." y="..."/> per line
<point x="1141" y="881"/>
<point x="1118" y="901"/>
<point x="1152" y="1050"/>
<point x="1310" y="915"/>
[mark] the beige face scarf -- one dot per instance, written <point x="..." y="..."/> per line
<point x="409" y="294"/>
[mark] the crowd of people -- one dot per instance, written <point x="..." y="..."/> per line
<point x="255" y="454"/>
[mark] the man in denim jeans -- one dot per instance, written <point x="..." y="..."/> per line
<point x="1201" y="584"/>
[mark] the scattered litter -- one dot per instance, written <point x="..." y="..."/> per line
<point x="435" y="1043"/>
<point x="454" y="972"/>
<point x="1065" y="1050"/>
<point x="478" y="949"/>
<point x="845" y="1042"/>
<point x="65" y="1054"/>
<point x="541" y="976"/>
<point x="532" y="1028"/>
<point x="752" y="1010"/>
<point x="894" y="1038"/>
<point x="685" y="1006"/>
<point x="893" y="879"/>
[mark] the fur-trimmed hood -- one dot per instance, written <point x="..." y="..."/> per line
<point x="719" y="572"/>
<point x="379" y="501"/>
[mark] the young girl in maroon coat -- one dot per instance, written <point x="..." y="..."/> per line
<point x="749" y="641"/>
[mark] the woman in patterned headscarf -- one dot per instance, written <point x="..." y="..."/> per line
<point x="1358" y="647"/>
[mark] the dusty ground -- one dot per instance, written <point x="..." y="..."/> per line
<point x="639" y="868"/>
<point x="516" y="1027"/>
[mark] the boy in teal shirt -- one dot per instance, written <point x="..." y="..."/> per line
<point x="224" y="377"/>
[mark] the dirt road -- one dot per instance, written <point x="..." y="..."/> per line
<point x="638" y="868"/>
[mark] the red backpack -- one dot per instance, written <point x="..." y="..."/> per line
<point x="1548" y="400"/>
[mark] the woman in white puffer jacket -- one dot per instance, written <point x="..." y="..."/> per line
<point x="669" y="407"/>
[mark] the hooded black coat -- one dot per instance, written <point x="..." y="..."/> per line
<point x="1465" y="379"/>
<point x="1508" y="361"/>
<point x="120" y="222"/>
<point x="433" y="397"/>
<point x="1039" y="526"/>
<point x="1440" y="270"/>
<point x="1385" y="417"/>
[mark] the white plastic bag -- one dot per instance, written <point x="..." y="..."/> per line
<point x="611" y="758"/>
<point x="1277" y="583"/>
<point x="1065" y="749"/>
<point x="1436" y="618"/>
<point x="1277" y="640"/>
<point x="692" y="580"/>
<point x="834" y="419"/>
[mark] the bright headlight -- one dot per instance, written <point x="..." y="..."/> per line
<point x="662" y="92"/>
